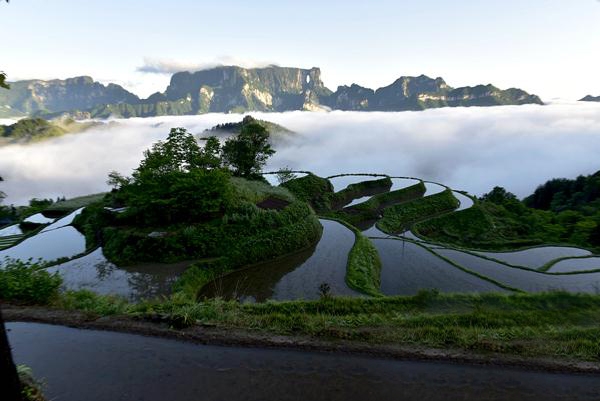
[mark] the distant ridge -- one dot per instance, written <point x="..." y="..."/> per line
<point x="590" y="98"/>
<point x="231" y="89"/>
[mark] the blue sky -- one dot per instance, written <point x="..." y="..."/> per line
<point x="548" y="47"/>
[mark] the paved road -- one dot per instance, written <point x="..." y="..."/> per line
<point x="95" y="365"/>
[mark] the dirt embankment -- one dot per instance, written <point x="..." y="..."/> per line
<point x="211" y="335"/>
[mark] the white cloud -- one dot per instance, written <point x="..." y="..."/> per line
<point x="171" y="66"/>
<point x="472" y="149"/>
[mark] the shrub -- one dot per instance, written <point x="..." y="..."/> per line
<point x="27" y="282"/>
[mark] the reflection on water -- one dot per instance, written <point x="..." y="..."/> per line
<point x="100" y="365"/>
<point x="65" y="221"/>
<point x="433" y="188"/>
<point x="272" y="178"/>
<point x="527" y="280"/>
<point x="38" y="218"/>
<point x="342" y="182"/>
<point x="465" y="201"/>
<point x="60" y="243"/>
<point x="294" y="277"/>
<point x="399" y="183"/>
<point x="536" y="257"/>
<point x="574" y="265"/>
<point x="93" y="272"/>
<point x="408" y="268"/>
<point x="11" y="230"/>
<point x="359" y="200"/>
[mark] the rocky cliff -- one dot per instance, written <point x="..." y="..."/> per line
<point x="231" y="89"/>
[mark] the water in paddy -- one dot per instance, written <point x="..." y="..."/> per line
<point x="65" y="221"/>
<point x="294" y="277"/>
<point x="574" y="265"/>
<point x="399" y="183"/>
<point x="527" y="280"/>
<point x="359" y="200"/>
<point x="433" y="188"/>
<point x="465" y="201"/>
<point x="11" y="230"/>
<point x="272" y="178"/>
<point x="93" y="272"/>
<point x="48" y="246"/>
<point x="408" y="268"/>
<point x="38" y="218"/>
<point x="536" y="257"/>
<point x="342" y="182"/>
<point x="373" y="231"/>
<point x="94" y="365"/>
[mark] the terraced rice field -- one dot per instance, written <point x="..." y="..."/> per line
<point x="523" y="279"/>
<point x="296" y="276"/>
<point x="534" y="258"/>
<point x="408" y="268"/>
<point x="9" y="240"/>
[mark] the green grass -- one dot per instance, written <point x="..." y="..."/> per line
<point x="400" y="217"/>
<point x="363" y="272"/>
<point x="358" y="190"/>
<point x="364" y="267"/>
<point x="256" y="191"/>
<point x="312" y="189"/>
<point x="479" y="227"/>
<point x="554" y="324"/>
<point x="371" y="209"/>
<point x="27" y="282"/>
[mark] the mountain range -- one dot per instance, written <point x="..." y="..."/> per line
<point x="590" y="98"/>
<point x="231" y="89"/>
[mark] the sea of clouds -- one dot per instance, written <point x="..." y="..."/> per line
<point x="473" y="149"/>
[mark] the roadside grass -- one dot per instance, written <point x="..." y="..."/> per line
<point x="398" y="218"/>
<point x="553" y="324"/>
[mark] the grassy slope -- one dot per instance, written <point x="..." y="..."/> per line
<point x="37" y="129"/>
<point x="72" y="204"/>
<point x="400" y="217"/>
<point x="477" y="227"/>
<point x="371" y="209"/>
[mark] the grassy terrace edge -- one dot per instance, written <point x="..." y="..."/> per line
<point x="363" y="271"/>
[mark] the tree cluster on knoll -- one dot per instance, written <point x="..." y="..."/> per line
<point x="179" y="181"/>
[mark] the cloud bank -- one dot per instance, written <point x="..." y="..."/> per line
<point x="470" y="149"/>
<point x="171" y="66"/>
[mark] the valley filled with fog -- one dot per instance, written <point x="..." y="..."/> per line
<point x="472" y="149"/>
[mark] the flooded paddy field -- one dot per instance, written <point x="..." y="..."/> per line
<point x="408" y="268"/>
<point x="64" y="242"/>
<point x="535" y="258"/>
<point x="526" y="280"/>
<point x="341" y="182"/>
<point x="93" y="272"/>
<point x="575" y="265"/>
<point x="296" y="276"/>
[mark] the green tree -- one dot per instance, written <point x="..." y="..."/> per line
<point x="179" y="153"/>
<point x="248" y="152"/>
<point x="285" y="174"/>
<point x="210" y="154"/>
<point x="176" y="182"/>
